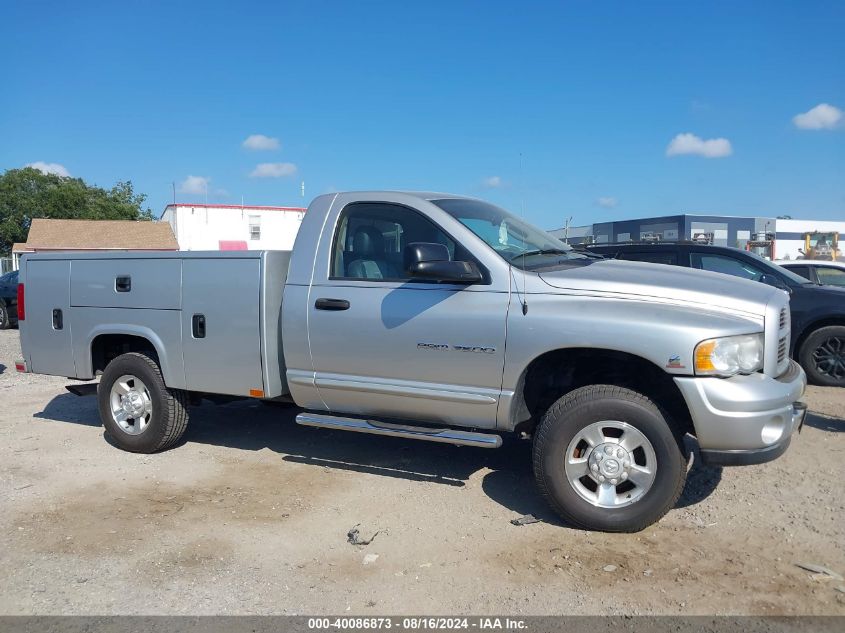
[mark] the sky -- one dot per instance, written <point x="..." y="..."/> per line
<point x="596" y="111"/>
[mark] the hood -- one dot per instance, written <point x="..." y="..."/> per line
<point x="665" y="284"/>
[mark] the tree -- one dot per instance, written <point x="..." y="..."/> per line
<point x="28" y="193"/>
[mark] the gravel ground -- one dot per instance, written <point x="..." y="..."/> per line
<point x="250" y="516"/>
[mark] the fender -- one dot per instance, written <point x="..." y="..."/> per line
<point x="809" y="323"/>
<point x="172" y="370"/>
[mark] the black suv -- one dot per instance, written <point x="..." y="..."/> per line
<point x="8" y="300"/>
<point x="818" y="312"/>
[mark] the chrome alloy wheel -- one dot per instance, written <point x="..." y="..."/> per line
<point x="131" y="405"/>
<point x="610" y="464"/>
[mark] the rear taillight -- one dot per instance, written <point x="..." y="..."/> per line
<point x="21" y="304"/>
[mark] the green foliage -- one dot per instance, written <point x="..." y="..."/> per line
<point x="27" y="193"/>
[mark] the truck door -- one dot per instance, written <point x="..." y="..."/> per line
<point x="384" y="345"/>
<point x="48" y="323"/>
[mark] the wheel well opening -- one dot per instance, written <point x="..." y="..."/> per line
<point x="807" y="331"/>
<point x="106" y="347"/>
<point x="556" y="373"/>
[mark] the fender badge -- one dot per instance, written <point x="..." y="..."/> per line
<point x="675" y="363"/>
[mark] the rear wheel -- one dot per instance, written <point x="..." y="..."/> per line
<point x="605" y="458"/>
<point x="5" y="323"/>
<point x="822" y="355"/>
<point x="137" y="409"/>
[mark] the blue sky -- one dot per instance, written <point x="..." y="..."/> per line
<point x="439" y="95"/>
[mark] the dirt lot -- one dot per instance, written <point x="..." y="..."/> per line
<point x="251" y="514"/>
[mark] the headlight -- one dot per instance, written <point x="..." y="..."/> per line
<point x="729" y="355"/>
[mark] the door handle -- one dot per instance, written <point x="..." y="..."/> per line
<point x="198" y="326"/>
<point x="58" y="319"/>
<point x="123" y="283"/>
<point x="332" y="304"/>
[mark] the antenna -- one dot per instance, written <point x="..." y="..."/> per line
<point x="302" y="189"/>
<point x="522" y="213"/>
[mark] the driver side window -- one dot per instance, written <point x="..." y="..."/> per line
<point x="371" y="237"/>
<point x="725" y="265"/>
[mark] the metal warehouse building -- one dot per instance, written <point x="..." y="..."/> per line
<point x="772" y="237"/>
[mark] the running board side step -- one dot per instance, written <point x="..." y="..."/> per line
<point x="445" y="436"/>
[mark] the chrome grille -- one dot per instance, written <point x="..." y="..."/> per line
<point x="784" y="318"/>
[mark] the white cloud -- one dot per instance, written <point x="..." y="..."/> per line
<point x="608" y="202"/>
<point x="194" y="185"/>
<point x="50" y="168"/>
<point x="692" y="144"/>
<point x="273" y="170"/>
<point x="259" y="142"/>
<point x="493" y="182"/>
<point x="823" y="117"/>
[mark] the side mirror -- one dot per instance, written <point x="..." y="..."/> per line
<point x="428" y="260"/>
<point x="774" y="280"/>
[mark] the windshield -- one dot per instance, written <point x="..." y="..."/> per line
<point x="519" y="243"/>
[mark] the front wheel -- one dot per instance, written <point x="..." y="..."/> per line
<point x="605" y="458"/>
<point x="822" y="355"/>
<point x="140" y="413"/>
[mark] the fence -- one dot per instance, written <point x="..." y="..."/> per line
<point x="5" y="265"/>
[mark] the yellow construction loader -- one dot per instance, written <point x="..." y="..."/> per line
<point x="821" y="245"/>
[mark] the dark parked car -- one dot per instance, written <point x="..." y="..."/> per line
<point x="820" y="272"/>
<point x="8" y="300"/>
<point x="818" y="312"/>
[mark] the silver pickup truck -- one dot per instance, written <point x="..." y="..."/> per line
<point x="442" y="318"/>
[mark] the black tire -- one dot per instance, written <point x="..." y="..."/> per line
<point x="5" y="322"/>
<point x="822" y="355"/>
<point x="583" y="407"/>
<point x="169" y="417"/>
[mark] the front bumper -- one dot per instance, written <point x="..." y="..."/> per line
<point x="745" y="419"/>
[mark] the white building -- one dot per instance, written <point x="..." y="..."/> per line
<point x="226" y="227"/>
<point x="790" y="235"/>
